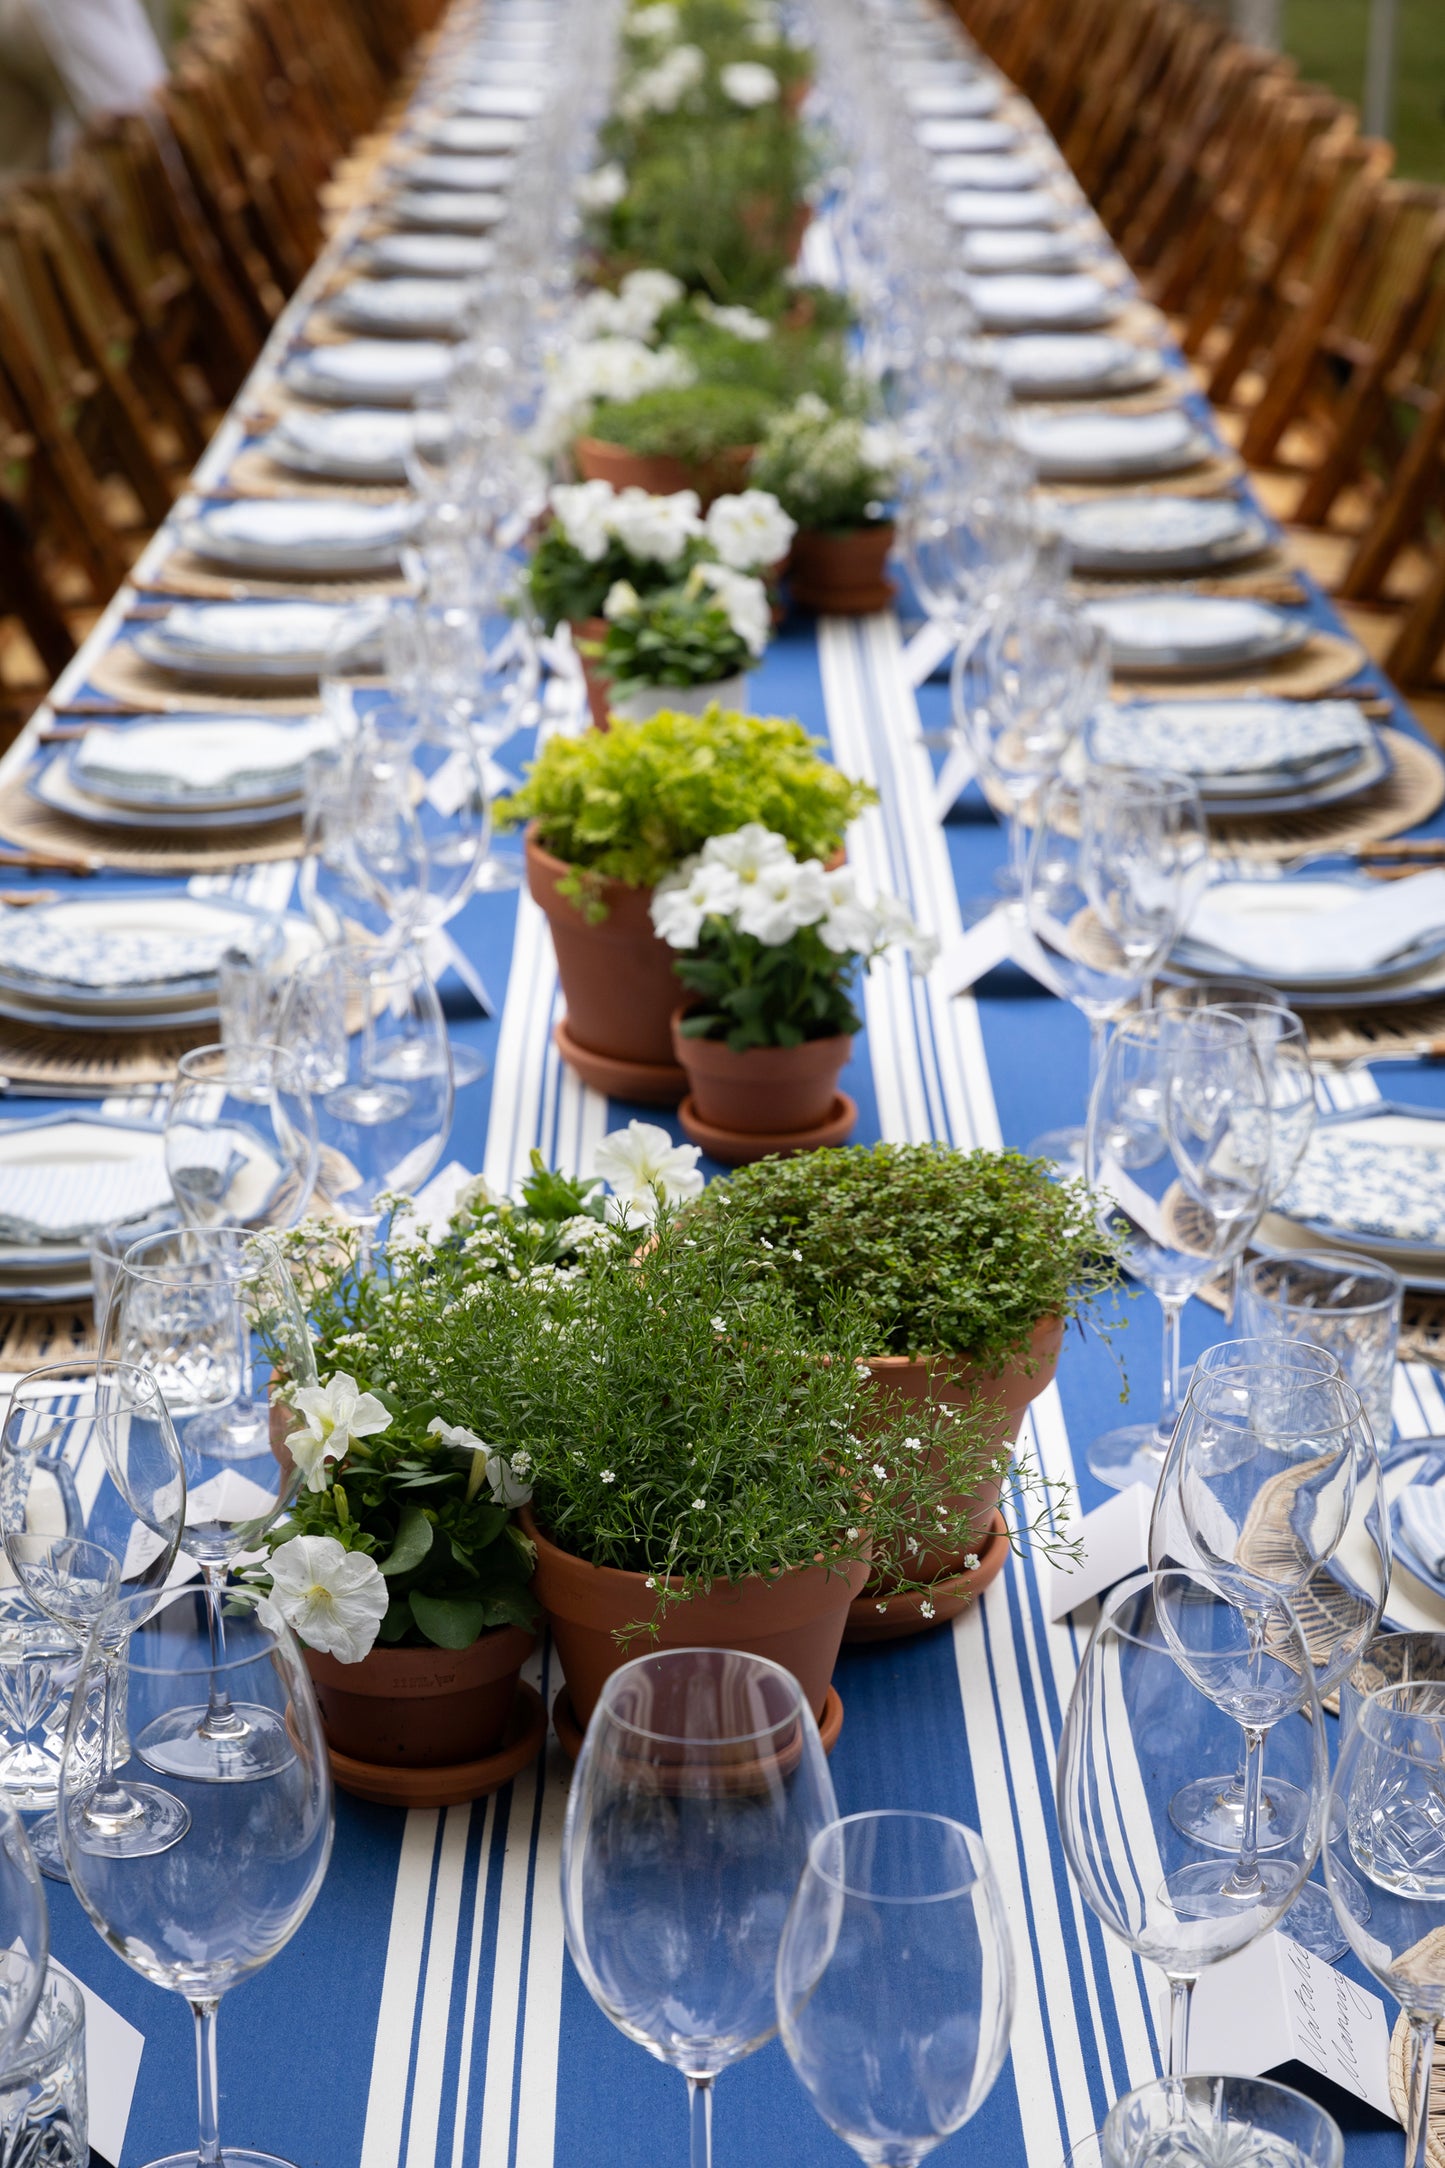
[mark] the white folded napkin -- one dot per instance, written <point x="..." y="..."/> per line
<point x="61" y="1201"/>
<point x="1349" y="938"/>
<point x="202" y="756"/>
<point x="1421" y="1508"/>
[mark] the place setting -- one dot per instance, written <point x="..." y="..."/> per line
<point x="369" y="372"/>
<point x="449" y="256"/>
<point x="233" y="656"/>
<point x="987" y="251"/>
<point x="64" y="1177"/>
<point x="1076" y="365"/>
<point x="361" y="446"/>
<point x="420" y="307"/>
<point x="1259" y="758"/>
<point x="1096" y="446"/>
<point x="1025" y="301"/>
<point x="1166" y="640"/>
<point x="1372" y="1182"/>
<point x="1142" y="538"/>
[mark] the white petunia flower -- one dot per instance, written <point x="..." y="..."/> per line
<point x="897" y="927"/>
<point x="334" y="1414"/>
<point x="738" y="322"/>
<point x="748" y="852"/>
<point x="622" y="601"/>
<point x="744" y="601"/>
<point x="786" y="898"/>
<point x="602" y="189"/>
<point x="475" y="1195"/>
<point x="334" y="1599"/>
<point x="656" y="529"/>
<point x="749" y="84"/>
<point x="750" y="532"/>
<point x="583" y="511"/>
<point x="684" y="898"/>
<point x="632" y="1160"/>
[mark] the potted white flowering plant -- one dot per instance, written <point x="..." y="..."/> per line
<point x="685" y="648"/>
<point x="835" y="475"/>
<point x="769" y="946"/>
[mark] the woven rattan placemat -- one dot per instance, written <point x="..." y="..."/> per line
<point x="1399" y="2049"/>
<point x="1219" y="472"/>
<point x="253" y="473"/>
<point x="1409" y="794"/>
<point x="182" y="573"/>
<point x="60" y="1335"/>
<point x="31" y="826"/>
<point x="93" y="1064"/>
<point x="123" y="677"/>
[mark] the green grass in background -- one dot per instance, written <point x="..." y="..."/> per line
<point x="1328" y="39"/>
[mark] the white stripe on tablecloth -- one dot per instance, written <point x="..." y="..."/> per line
<point x="542" y="2015"/>
<point x="469" y="2002"/>
<point x="386" y="2100"/>
<point x="512" y="1954"/>
<point x="431" y="2051"/>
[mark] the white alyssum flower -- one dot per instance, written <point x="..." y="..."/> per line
<point x="749" y="84"/>
<point x="633" y="311"/>
<point x="732" y="317"/>
<point x="583" y="511"/>
<point x="333" y="1414"/>
<point x="744" y="601"/>
<point x="602" y="189"/>
<point x="662" y="89"/>
<point x="691" y="893"/>
<point x="641" y="1159"/>
<point x="657" y="529"/>
<point x="334" y="1599"/>
<point x="621" y="600"/>
<point x="750" y="531"/>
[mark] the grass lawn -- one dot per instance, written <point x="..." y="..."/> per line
<point x="1328" y="39"/>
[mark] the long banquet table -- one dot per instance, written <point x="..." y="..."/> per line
<point x="426" y="2013"/>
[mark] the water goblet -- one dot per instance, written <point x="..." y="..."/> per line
<point x="1346" y="1304"/>
<point x="240" y="1137"/>
<point x="700" y="1786"/>
<point x="24" y="1934"/>
<point x="895" y="1981"/>
<point x="241" y="1879"/>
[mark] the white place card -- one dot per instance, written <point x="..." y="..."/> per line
<point x="1276" y="2003"/>
<point x="113" y="2050"/>
<point x="1115" y="1537"/>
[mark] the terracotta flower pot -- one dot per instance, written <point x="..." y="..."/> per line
<point x="797" y="1620"/>
<point x="661" y="475"/>
<point x="960" y="1382"/>
<point x="770" y="1099"/>
<point x="618" y="981"/>
<point x="422" y="1708"/>
<point x="840" y="572"/>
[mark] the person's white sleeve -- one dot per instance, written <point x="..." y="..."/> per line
<point x="105" y="52"/>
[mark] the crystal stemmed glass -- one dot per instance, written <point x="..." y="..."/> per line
<point x="103" y="1569"/>
<point x="368" y="1031"/>
<point x="1169" y="1196"/>
<point x="1169" y="1673"/>
<point x="240" y="1137"/>
<point x="240" y="1881"/>
<point x="24" y="1935"/>
<point x="1111" y="872"/>
<point x="895" y="1981"/>
<point x="700" y="1786"/>
<point x="1283" y="1048"/>
<point x="968" y="540"/>
<point x="1385" y="1867"/>
<point x="219" y="1322"/>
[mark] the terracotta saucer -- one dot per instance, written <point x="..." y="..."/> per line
<point x="736" y="1147"/>
<point x="954" y="1593"/>
<point x="652" y="1084"/>
<point x="451" y="1784"/>
<point x="569" y="1731"/>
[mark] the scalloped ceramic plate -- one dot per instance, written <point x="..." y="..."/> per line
<point x="444" y="212"/>
<point x="1161" y="534"/>
<point x="1108" y="447"/>
<point x="1076" y="365"/>
<point x="375" y="372"/>
<point x="427" y="255"/>
<point x="1017" y="301"/>
<point x="403" y="308"/>
<point x="1195" y="634"/>
<point x="303" y="534"/>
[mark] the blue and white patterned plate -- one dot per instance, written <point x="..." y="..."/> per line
<point x="1161" y="534"/>
<point x="973" y="100"/>
<point x="1218" y="740"/>
<point x="354" y="444"/>
<point x="989" y="169"/>
<point x="1196" y="635"/>
<point x="403" y="308"/>
<point x="970" y="207"/>
<point x="302" y="535"/>
<point x="123" y="951"/>
<point x="242" y="642"/>
<point x="993" y="250"/>
<point x="174" y="763"/>
<point x="54" y="785"/>
<point x="1095" y="445"/>
<point x="1372" y="1180"/>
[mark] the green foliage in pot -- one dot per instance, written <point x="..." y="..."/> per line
<point x="949" y="1253"/>
<point x="828" y="470"/>
<point x="710" y="196"/>
<point x="692" y="422"/>
<point x="681" y="636"/>
<point x="632" y="802"/>
<point x="673" y="1409"/>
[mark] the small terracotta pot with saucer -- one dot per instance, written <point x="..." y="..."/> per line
<point x="741" y="1107"/>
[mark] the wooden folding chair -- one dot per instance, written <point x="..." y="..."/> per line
<point x="223" y="189"/>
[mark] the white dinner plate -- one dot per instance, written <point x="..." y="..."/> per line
<point x="447" y="174"/>
<point x="1019" y="301"/>
<point x="994" y="249"/>
<point x="356" y="444"/>
<point x="245" y="641"/>
<point x="427" y="255"/>
<point x="370" y="372"/>
<point x="988" y="170"/>
<point x="445" y="212"/>
<point x="1251" y="914"/>
<point x="946" y="136"/>
<point x="495" y="117"/>
<point x="1160" y="534"/>
<point x="975" y="207"/>
<point x="1097" y="446"/>
<point x="970" y="100"/>
<point x="1076" y="365"/>
<point x="196" y="762"/>
<point x="1191" y="634"/>
<point x="404" y="308"/>
<point x="55" y="786"/>
<point x="303" y="534"/>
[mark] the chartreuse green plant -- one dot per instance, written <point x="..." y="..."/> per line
<point x="946" y="1252"/>
<point x="631" y="803"/>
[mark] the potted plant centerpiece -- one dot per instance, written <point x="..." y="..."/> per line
<point x="698" y="1470"/>
<point x="835" y="475"/>
<point x="969" y="1265"/>
<point x="610" y="813"/>
<point x="695" y="581"/>
<point x="769" y="945"/>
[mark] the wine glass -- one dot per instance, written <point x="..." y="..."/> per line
<point x="24" y="1935"/>
<point x="968" y="539"/>
<point x="1170" y="1674"/>
<point x="220" y="1323"/>
<point x="102" y="1567"/>
<point x="1169" y="1192"/>
<point x="1019" y="702"/>
<point x="1111" y="873"/>
<point x="367" y="1029"/>
<point x="700" y="1786"/>
<point x="240" y="1881"/>
<point x="1283" y="1049"/>
<point x="240" y="1137"/>
<point x="895" y="1981"/>
<point x="1385" y="1866"/>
